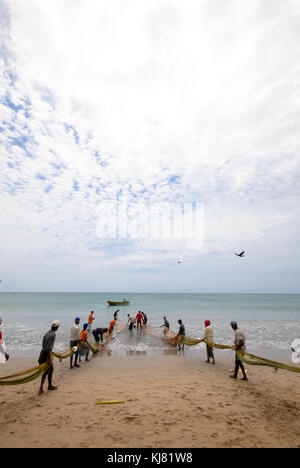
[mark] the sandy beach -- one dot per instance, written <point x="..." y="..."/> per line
<point x="170" y="402"/>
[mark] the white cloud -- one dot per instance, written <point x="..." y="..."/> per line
<point x="164" y="101"/>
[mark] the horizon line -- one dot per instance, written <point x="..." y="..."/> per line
<point x="142" y="292"/>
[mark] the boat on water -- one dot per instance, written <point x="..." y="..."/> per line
<point x="115" y="303"/>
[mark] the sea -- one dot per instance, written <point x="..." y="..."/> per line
<point x="270" y="322"/>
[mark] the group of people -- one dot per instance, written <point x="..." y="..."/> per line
<point x="79" y="338"/>
<point x="138" y="321"/>
<point x="180" y="334"/>
<point x="208" y="337"/>
<point x="79" y="342"/>
<point x="239" y="344"/>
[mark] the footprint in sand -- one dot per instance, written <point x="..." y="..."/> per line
<point x="130" y="418"/>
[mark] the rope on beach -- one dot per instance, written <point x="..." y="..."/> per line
<point x="172" y="339"/>
<point x="31" y="374"/>
<point x="250" y="359"/>
<point x="253" y="360"/>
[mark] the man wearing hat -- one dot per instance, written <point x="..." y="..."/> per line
<point x="45" y="355"/>
<point x="84" y="347"/>
<point x="75" y="341"/>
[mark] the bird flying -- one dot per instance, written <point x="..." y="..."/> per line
<point x="242" y="254"/>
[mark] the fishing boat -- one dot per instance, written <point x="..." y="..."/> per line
<point x="115" y="303"/>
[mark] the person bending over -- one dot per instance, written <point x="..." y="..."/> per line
<point x="98" y="335"/>
<point x="111" y="326"/>
<point x="166" y="326"/>
<point x="130" y="321"/>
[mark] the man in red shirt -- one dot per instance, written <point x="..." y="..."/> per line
<point x="139" y="320"/>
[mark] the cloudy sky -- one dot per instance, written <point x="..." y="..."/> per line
<point x="146" y="104"/>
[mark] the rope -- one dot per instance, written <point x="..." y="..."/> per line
<point x="250" y="359"/>
<point x="253" y="360"/>
<point x="31" y="374"/>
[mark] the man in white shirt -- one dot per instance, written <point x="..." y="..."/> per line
<point x="130" y="322"/>
<point x="209" y="340"/>
<point x="240" y="344"/>
<point x="75" y="341"/>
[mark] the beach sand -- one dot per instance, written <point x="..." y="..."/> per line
<point x="172" y="401"/>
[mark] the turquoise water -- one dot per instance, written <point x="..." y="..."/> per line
<point x="270" y="321"/>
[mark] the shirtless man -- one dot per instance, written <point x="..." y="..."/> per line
<point x="166" y="326"/>
<point x="180" y="335"/>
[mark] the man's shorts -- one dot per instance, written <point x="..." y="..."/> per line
<point x="237" y="359"/>
<point x="84" y="349"/>
<point x="97" y="337"/>
<point x="75" y="343"/>
<point x="43" y="357"/>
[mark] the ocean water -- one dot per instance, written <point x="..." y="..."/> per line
<point x="270" y="321"/>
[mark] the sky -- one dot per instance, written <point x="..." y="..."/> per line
<point x="134" y="135"/>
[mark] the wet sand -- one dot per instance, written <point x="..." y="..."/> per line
<point x="171" y="401"/>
